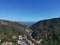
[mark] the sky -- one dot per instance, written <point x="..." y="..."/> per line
<point x="29" y="10"/>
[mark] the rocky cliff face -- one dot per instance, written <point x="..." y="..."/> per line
<point x="47" y="30"/>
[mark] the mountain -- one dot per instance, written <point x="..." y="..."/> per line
<point x="14" y="33"/>
<point x="47" y="31"/>
<point x="44" y="32"/>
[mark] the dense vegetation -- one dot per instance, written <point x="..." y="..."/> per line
<point x="48" y="30"/>
<point x="8" y="29"/>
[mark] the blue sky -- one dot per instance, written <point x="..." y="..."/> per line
<point x="29" y="10"/>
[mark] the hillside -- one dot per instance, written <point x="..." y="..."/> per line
<point x="48" y="31"/>
<point x="44" y="32"/>
<point x="14" y="33"/>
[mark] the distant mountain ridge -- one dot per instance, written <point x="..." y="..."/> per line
<point x="28" y="23"/>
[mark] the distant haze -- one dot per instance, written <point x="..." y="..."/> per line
<point x="28" y="23"/>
